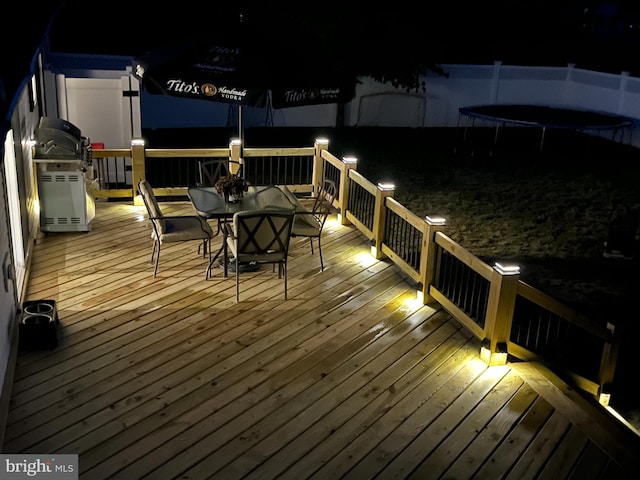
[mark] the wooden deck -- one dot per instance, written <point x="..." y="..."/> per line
<point x="169" y="377"/>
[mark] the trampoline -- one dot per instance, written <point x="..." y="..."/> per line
<point x="547" y="117"/>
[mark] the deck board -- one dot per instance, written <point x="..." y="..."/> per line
<point x="169" y="377"/>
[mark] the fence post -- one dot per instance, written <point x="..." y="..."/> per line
<point x="495" y="82"/>
<point x="500" y="308"/>
<point x="608" y="364"/>
<point x="317" y="174"/>
<point x="429" y="249"/>
<point x="350" y="163"/>
<point x="623" y="97"/>
<point x="383" y="191"/>
<point x="235" y="155"/>
<point x="137" y="168"/>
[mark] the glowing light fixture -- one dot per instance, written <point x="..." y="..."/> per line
<point x="385" y="186"/>
<point x="322" y="141"/>
<point x="365" y="259"/>
<point x="350" y="160"/>
<point x="435" y="220"/>
<point x="507" y="269"/>
<point x="137" y="142"/>
<point x="499" y="357"/>
<point x="414" y="303"/>
<point x="236" y="141"/>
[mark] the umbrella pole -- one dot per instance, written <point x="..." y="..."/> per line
<point x="240" y="123"/>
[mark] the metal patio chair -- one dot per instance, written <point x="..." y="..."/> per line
<point x="211" y="169"/>
<point x="310" y="224"/>
<point x="167" y="229"/>
<point x="209" y="172"/>
<point x="259" y="237"/>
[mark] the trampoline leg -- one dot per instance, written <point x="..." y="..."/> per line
<point x="544" y="130"/>
<point x="495" y="140"/>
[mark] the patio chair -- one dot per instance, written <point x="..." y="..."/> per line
<point x="209" y="172"/>
<point x="211" y="169"/>
<point x="259" y="237"/>
<point x="310" y="224"/>
<point x="173" y="228"/>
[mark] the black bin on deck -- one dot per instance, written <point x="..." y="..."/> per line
<point x="38" y="324"/>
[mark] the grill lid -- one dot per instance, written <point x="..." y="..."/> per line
<point x="60" y="139"/>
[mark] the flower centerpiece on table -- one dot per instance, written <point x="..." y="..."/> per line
<point x="231" y="187"/>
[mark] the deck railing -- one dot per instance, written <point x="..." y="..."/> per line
<point x="508" y="315"/>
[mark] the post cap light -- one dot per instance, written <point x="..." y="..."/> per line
<point x="236" y="141"/>
<point x="507" y="269"/>
<point x="435" y="220"/>
<point x="386" y="186"/>
<point x="322" y="141"/>
<point x="137" y="142"/>
<point x="350" y="159"/>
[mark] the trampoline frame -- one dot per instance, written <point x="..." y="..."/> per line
<point x="544" y="117"/>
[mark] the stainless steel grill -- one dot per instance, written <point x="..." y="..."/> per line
<point x="64" y="165"/>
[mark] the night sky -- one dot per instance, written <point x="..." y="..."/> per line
<point x="598" y="35"/>
<point x="602" y="36"/>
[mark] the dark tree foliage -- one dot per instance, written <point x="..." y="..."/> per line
<point x="388" y="45"/>
<point x="393" y="43"/>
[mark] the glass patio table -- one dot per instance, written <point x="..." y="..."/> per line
<point x="209" y="204"/>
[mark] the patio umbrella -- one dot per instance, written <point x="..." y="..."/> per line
<point x="252" y="72"/>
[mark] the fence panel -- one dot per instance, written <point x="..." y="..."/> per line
<point x="463" y="286"/>
<point x="279" y="170"/>
<point x="361" y="205"/>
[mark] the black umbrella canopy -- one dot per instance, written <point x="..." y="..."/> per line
<point x="239" y="75"/>
<point x="249" y="65"/>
